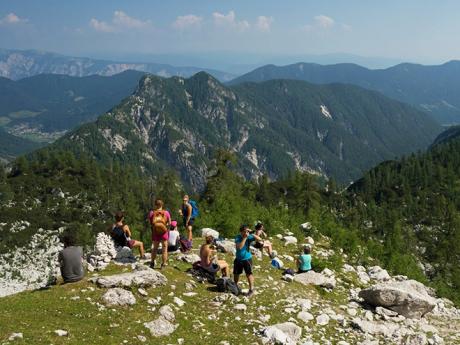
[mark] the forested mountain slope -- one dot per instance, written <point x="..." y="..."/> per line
<point x="274" y="127"/>
<point x="434" y="89"/>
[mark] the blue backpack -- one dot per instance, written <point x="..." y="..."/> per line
<point x="195" y="211"/>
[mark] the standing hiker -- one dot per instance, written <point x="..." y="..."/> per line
<point x="160" y="220"/>
<point x="189" y="213"/>
<point x="243" y="260"/>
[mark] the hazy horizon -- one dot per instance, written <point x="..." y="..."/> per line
<point x="236" y="35"/>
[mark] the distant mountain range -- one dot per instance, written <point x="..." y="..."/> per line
<point x="274" y="127"/>
<point x="18" y="64"/>
<point x="434" y="89"/>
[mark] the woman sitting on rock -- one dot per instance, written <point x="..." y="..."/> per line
<point x="121" y="235"/>
<point x="260" y="231"/>
<point x="304" y="260"/>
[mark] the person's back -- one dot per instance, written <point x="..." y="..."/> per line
<point x="304" y="262"/>
<point x="70" y="259"/>
<point x="173" y="238"/>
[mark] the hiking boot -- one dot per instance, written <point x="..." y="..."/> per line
<point x="250" y="293"/>
<point x="163" y="266"/>
<point x="152" y="264"/>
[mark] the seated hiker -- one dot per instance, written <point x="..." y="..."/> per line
<point x="121" y="235"/>
<point x="304" y="260"/>
<point x="71" y="260"/>
<point x="160" y="220"/>
<point x="173" y="237"/>
<point x="260" y="231"/>
<point x="243" y="260"/>
<point x="209" y="260"/>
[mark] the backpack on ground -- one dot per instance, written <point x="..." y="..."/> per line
<point x="185" y="245"/>
<point x="195" y="211"/>
<point x="159" y="221"/>
<point x="119" y="236"/>
<point x="225" y="284"/>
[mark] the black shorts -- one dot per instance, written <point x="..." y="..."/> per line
<point x="190" y="222"/>
<point x="240" y="265"/>
<point x="259" y="245"/>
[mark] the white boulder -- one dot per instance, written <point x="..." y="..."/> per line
<point x="209" y="232"/>
<point x="378" y="273"/>
<point x="118" y="297"/>
<point x="313" y="278"/>
<point x="287" y="333"/>
<point x="226" y="246"/>
<point x="408" y="298"/>
<point x="142" y="277"/>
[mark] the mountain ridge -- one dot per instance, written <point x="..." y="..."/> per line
<point x="18" y="64"/>
<point x="416" y="84"/>
<point x="274" y="128"/>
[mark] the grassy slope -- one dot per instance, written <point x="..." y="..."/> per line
<point x="38" y="313"/>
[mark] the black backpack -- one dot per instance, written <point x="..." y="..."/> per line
<point x="119" y="237"/>
<point x="225" y="284"/>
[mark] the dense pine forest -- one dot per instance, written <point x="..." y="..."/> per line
<point x="405" y="213"/>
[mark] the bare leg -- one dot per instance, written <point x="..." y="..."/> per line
<point x="155" y="250"/>
<point x="189" y="232"/>
<point x="268" y="245"/>
<point x="164" y="253"/>
<point x="236" y="278"/>
<point x="224" y="267"/>
<point x="140" y="245"/>
<point x="251" y="281"/>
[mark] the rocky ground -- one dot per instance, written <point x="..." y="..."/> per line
<point x="128" y="303"/>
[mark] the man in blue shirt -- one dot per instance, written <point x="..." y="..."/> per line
<point x="243" y="260"/>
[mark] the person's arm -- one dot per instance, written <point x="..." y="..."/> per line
<point x="257" y="238"/>
<point x="189" y="212"/>
<point x="241" y="244"/>
<point x="127" y="231"/>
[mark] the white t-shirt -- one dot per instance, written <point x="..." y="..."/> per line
<point x="173" y="236"/>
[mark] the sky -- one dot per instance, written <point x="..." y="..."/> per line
<point x="243" y="31"/>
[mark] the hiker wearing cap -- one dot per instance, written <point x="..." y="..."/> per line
<point x="243" y="260"/>
<point x="209" y="261"/>
<point x="260" y="231"/>
<point x="160" y="220"/>
<point x="174" y="237"/>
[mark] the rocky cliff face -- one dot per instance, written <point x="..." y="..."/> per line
<point x="273" y="128"/>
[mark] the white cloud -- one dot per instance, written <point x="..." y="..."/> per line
<point x="229" y="21"/>
<point x="120" y="21"/>
<point x="101" y="26"/>
<point x="324" y="22"/>
<point x="12" y="18"/>
<point x="188" y="21"/>
<point x="264" y="23"/>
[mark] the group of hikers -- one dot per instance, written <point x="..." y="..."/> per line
<point x="165" y="233"/>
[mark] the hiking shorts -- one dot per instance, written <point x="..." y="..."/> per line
<point x="156" y="237"/>
<point x="130" y="243"/>
<point x="242" y="265"/>
<point x="259" y="245"/>
<point x="214" y="268"/>
<point x="190" y="222"/>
